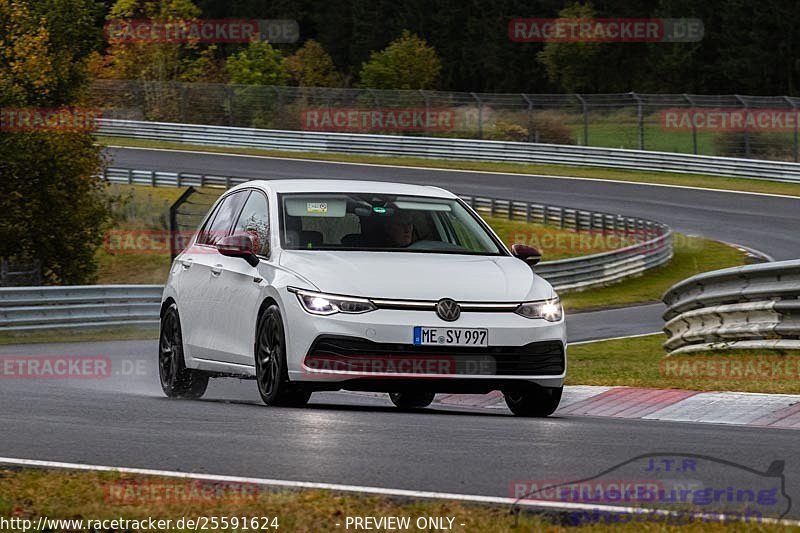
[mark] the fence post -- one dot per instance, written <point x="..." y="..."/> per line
<point x="746" y="131"/>
<point x="229" y="96"/>
<point x="794" y="112"/>
<point x="585" y="119"/>
<point x="480" y="115"/>
<point x="182" y="103"/>
<point x="427" y="100"/>
<point x="530" y="119"/>
<point x="3" y="271"/>
<point x="694" y="126"/>
<point x="640" y="116"/>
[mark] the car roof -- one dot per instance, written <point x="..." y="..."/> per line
<point x="347" y="186"/>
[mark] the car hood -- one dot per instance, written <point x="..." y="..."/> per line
<point x="418" y="276"/>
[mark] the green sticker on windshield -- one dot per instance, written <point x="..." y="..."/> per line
<point x="317" y="207"/>
<point x="379" y="209"/>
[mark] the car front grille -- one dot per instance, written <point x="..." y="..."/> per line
<point x="353" y="354"/>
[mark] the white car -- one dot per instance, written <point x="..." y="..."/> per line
<point x="311" y="285"/>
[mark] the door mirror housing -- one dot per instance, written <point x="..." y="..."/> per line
<point x="529" y="254"/>
<point x="239" y="246"/>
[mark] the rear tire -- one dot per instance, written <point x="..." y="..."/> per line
<point x="411" y="400"/>
<point x="177" y="381"/>
<point x="534" y="401"/>
<point x="272" y="375"/>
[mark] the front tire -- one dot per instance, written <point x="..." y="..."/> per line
<point x="272" y="375"/>
<point x="534" y="401"/>
<point x="411" y="400"/>
<point x="177" y="381"/>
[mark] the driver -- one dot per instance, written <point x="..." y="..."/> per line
<point x="400" y="229"/>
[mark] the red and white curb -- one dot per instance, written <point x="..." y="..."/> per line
<point x="675" y="405"/>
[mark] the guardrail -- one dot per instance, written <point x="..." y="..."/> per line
<point x="449" y="148"/>
<point x="78" y="306"/>
<point x="749" y="307"/>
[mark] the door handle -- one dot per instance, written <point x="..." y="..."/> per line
<point x="187" y="263"/>
<point x="216" y="270"/>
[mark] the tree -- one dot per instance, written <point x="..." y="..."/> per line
<point x="258" y="64"/>
<point x="53" y="206"/>
<point x="311" y="66"/>
<point x="407" y="63"/>
<point x="148" y="60"/>
<point x="574" y="66"/>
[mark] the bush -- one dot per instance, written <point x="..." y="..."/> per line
<point x="546" y="127"/>
<point x="763" y="145"/>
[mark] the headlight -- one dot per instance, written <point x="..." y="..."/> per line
<point x="549" y="310"/>
<point x="327" y="304"/>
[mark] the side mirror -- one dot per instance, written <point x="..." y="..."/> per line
<point x="529" y="254"/>
<point x="239" y="246"/>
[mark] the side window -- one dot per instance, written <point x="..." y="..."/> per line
<point x="202" y="237"/>
<point x="464" y="237"/>
<point x="226" y="213"/>
<point x="255" y="221"/>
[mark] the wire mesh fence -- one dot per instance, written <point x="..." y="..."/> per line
<point x="14" y="273"/>
<point x="761" y="127"/>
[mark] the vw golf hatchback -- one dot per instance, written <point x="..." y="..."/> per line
<point x="320" y="285"/>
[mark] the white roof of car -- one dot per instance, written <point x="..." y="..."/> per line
<point x="348" y="186"/>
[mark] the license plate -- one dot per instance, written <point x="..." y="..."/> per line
<point x="450" y="336"/>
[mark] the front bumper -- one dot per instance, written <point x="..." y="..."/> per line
<point x="378" y="347"/>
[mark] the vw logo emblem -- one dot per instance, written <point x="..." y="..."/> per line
<point x="448" y="310"/>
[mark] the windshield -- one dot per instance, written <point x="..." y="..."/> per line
<point x="379" y="222"/>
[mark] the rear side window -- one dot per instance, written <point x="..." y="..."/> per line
<point x="220" y="223"/>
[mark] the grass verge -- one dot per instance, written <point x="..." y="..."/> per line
<point x="57" y="336"/>
<point x="642" y="362"/>
<point x="693" y="255"/>
<point x="29" y="494"/>
<point x="664" y="178"/>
